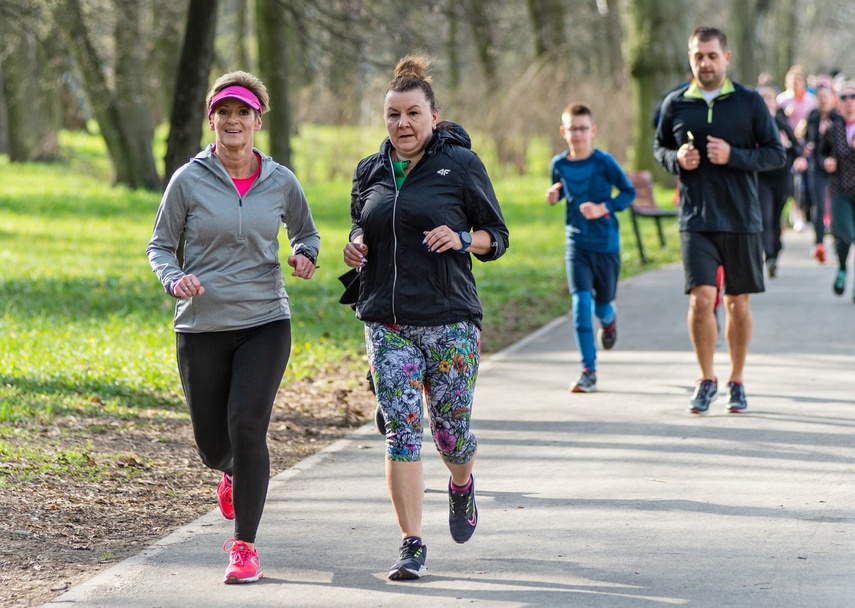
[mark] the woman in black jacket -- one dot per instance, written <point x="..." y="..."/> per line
<point x="421" y="208"/>
<point x="818" y="121"/>
<point x="837" y="153"/>
<point x="776" y="186"/>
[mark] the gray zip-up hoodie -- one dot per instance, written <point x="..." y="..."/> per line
<point x="231" y="242"/>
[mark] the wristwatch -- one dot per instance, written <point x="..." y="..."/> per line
<point x="466" y="239"/>
<point x="310" y="257"/>
<point x="303" y="251"/>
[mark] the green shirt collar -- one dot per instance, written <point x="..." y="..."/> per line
<point x="400" y="176"/>
<point x="694" y="91"/>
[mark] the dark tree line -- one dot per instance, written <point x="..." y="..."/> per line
<point x="506" y="68"/>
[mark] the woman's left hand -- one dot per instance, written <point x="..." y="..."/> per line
<point x="442" y="238"/>
<point x="303" y="267"/>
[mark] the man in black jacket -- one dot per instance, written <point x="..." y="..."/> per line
<point x="716" y="135"/>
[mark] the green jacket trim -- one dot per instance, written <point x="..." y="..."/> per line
<point x="694" y="92"/>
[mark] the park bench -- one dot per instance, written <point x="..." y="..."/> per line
<point x="644" y="205"/>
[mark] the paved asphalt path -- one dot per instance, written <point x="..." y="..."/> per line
<point x="618" y="499"/>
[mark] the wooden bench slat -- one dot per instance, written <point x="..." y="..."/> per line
<point x="645" y="205"/>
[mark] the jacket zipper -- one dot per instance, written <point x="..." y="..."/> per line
<point x="240" y="201"/>
<point x="240" y="217"/>
<point x="394" y="243"/>
<point x="710" y="106"/>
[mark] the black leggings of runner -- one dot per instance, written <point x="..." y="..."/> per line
<point x="773" y="191"/>
<point x="230" y="379"/>
<point x="843" y="226"/>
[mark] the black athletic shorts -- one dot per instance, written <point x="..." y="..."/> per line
<point x="740" y="253"/>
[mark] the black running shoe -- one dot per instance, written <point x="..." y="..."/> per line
<point x="736" y="402"/>
<point x="412" y="562"/>
<point x="705" y="393"/>
<point x="462" y="512"/>
<point x="608" y="335"/>
<point x="839" y="282"/>
<point x="379" y="420"/>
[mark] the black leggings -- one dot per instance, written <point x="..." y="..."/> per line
<point x="773" y="191"/>
<point x="230" y="379"/>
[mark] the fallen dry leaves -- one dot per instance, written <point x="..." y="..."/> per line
<point x="58" y="533"/>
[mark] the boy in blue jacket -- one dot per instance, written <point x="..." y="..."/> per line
<point x="586" y="178"/>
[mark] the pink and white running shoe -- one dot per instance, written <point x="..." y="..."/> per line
<point x="244" y="565"/>
<point x="224" y="497"/>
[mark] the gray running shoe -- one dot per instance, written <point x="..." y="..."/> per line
<point x="772" y="267"/>
<point x="705" y="393"/>
<point x="736" y="403"/>
<point x="586" y="383"/>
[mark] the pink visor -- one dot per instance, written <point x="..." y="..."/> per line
<point x="235" y="92"/>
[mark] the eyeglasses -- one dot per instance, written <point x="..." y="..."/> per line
<point x="846" y="96"/>
<point x="579" y="129"/>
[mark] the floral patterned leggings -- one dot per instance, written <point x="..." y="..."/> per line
<point x="438" y="364"/>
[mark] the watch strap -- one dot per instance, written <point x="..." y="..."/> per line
<point x="466" y="242"/>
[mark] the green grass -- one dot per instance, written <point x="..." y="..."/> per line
<point x="85" y="328"/>
<point x="29" y="463"/>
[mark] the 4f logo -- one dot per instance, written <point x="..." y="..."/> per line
<point x="444" y="172"/>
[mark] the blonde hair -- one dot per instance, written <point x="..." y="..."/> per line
<point x="412" y="73"/>
<point x="241" y="79"/>
<point x="842" y="86"/>
<point x="796" y="70"/>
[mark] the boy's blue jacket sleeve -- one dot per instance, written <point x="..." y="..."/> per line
<point x="626" y="192"/>
<point x="556" y="178"/>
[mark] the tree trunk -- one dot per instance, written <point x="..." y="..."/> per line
<point x="103" y="100"/>
<point x="303" y="71"/>
<point x="32" y="119"/>
<point x="273" y="63"/>
<point x="452" y="48"/>
<point x="787" y="17"/>
<point x="168" y="18"/>
<point x="614" y="39"/>
<point x="547" y="20"/>
<point x="477" y="13"/>
<point x="658" y="44"/>
<point x="191" y="85"/>
<point x="132" y="99"/>
<point x="244" y="61"/>
<point x="745" y="38"/>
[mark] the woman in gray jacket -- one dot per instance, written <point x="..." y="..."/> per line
<point x="232" y="320"/>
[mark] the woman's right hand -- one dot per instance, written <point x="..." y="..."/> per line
<point x="187" y="287"/>
<point x="355" y="254"/>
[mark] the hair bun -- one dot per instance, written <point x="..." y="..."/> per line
<point x="413" y="66"/>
